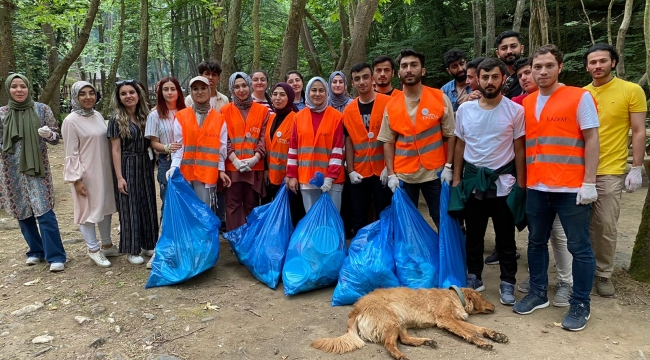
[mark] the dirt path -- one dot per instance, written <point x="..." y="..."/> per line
<point x="125" y="321"/>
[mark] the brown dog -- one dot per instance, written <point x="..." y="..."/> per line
<point x="384" y="315"/>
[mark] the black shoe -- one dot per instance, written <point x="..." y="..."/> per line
<point x="492" y="259"/>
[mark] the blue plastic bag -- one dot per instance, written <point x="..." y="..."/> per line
<point x="316" y="249"/>
<point x="261" y="243"/>
<point x="452" y="245"/>
<point x="189" y="241"/>
<point x="370" y="264"/>
<point x="417" y="254"/>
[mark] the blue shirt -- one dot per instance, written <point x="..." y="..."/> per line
<point x="450" y="90"/>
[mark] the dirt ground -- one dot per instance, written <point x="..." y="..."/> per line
<point x="125" y="321"/>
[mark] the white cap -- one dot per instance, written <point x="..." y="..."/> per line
<point x="201" y="79"/>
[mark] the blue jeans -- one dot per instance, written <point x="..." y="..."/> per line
<point x="164" y="163"/>
<point x="46" y="244"/>
<point x="541" y="208"/>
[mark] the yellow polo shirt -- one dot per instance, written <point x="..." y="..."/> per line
<point x="616" y="100"/>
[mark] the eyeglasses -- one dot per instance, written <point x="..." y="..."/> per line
<point x="125" y="82"/>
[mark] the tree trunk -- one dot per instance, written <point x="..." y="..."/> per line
<point x="538" y="29"/>
<point x="324" y="34"/>
<point x="52" y="63"/>
<point x="558" y="42"/>
<point x="639" y="264"/>
<point x="101" y="28"/>
<point x="230" y="44"/>
<point x="257" y="41"/>
<point x="362" y="21"/>
<point x="591" y="34"/>
<point x="288" y="59"/>
<point x="310" y="50"/>
<point x="108" y="84"/>
<point x="218" y="22"/>
<point x="144" y="44"/>
<point x="620" y="38"/>
<point x="7" y="57"/>
<point x="519" y="14"/>
<point x="478" y="27"/>
<point x="609" y="22"/>
<point x="205" y="33"/>
<point x="55" y="77"/>
<point x="490" y="27"/>
<point x="196" y="33"/>
<point x="345" y="36"/>
<point x="186" y="42"/>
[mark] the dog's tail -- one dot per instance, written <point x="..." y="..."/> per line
<point x="342" y="344"/>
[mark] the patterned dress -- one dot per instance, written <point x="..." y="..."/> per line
<point x="24" y="196"/>
<point x="137" y="209"/>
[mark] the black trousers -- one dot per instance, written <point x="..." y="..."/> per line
<point x="295" y="202"/>
<point x="431" y="192"/>
<point x="370" y="189"/>
<point x="477" y="213"/>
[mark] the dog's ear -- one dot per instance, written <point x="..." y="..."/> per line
<point x="469" y="305"/>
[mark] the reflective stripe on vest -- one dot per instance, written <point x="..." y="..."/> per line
<point x="200" y="146"/>
<point x="277" y="147"/>
<point x="245" y="134"/>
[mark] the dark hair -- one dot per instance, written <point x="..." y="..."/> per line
<point x="161" y="104"/>
<point x="613" y="54"/>
<point x="520" y="63"/>
<point x="474" y="63"/>
<point x="383" y="58"/>
<point x="286" y="76"/>
<point x="359" y="68"/>
<point x="507" y="34"/>
<point x="452" y="56"/>
<point x="410" y="52"/>
<point x="266" y="95"/>
<point x="211" y="66"/>
<point x="490" y="63"/>
<point x="548" y="49"/>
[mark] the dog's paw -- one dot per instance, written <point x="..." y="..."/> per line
<point x="485" y="346"/>
<point x="431" y="343"/>
<point x="499" y="337"/>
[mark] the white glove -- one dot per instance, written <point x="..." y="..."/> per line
<point x="384" y="176"/>
<point x="393" y="182"/>
<point x="250" y="162"/>
<point x="447" y="175"/>
<point x="327" y="184"/>
<point x="355" y="177"/>
<point x="587" y="194"/>
<point x="170" y="172"/>
<point x="45" y="132"/>
<point x="241" y="166"/>
<point x="633" y="180"/>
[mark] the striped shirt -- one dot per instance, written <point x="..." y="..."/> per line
<point x="160" y="127"/>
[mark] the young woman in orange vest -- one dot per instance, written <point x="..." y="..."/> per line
<point x="246" y="121"/>
<point x="316" y="145"/>
<point x="260" y="82"/>
<point x="202" y="131"/>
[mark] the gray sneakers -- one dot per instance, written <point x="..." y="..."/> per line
<point x="507" y="293"/>
<point x="563" y="294"/>
<point x="524" y="286"/>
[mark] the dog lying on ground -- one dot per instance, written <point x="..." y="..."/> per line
<point x="384" y="315"/>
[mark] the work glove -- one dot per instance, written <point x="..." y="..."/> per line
<point x="327" y="184"/>
<point x="384" y="176"/>
<point x="587" y="194"/>
<point x="355" y="177"/>
<point x="170" y="172"/>
<point x="241" y="166"/>
<point x="45" y="132"/>
<point x="393" y="182"/>
<point x="250" y="162"/>
<point x="633" y="179"/>
<point x="447" y="175"/>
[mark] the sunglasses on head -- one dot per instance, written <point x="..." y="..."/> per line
<point x="125" y="82"/>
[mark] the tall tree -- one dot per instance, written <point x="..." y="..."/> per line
<point x="478" y="27"/>
<point x="490" y="27"/>
<point x="519" y="14"/>
<point x="55" y="77"/>
<point x="257" y="41"/>
<point x="310" y="50"/>
<point x="230" y="44"/>
<point x="52" y="63"/>
<point x="288" y="59"/>
<point x="143" y="51"/>
<point x="365" y="12"/>
<point x="345" y="36"/>
<point x="7" y="58"/>
<point x="218" y="23"/>
<point x="589" y="26"/>
<point x="538" y="28"/>
<point x="620" y="38"/>
<point x="108" y="84"/>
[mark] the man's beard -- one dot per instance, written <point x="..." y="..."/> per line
<point x="416" y="79"/>
<point x="491" y="95"/>
<point x="460" y="78"/>
<point x="509" y="61"/>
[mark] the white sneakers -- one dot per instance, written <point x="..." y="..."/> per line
<point x="54" y="267"/>
<point x="144" y="252"/>
<point x="134" y="259"/>
<point x="33" y="260"/>
<point x="99" y="258"/>
<point x="57" y="267"/>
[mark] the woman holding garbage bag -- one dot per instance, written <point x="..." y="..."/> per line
<point x="316" y="146"/>
<point x="203" y="134"/>
<point x="246" y="121"/>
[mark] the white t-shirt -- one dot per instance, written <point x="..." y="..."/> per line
<point x="160" y="127"/>
<point x="587" y="116"/>
<point x="489" y="134"/>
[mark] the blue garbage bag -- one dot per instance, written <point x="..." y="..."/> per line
<point x="189" y="241"/>
<point x="370" y="264"/>
<point x="261" y="243"/>
<point x="316" y="250"/>
<point x="452" y="245"/>
<point x="416" y="245"/>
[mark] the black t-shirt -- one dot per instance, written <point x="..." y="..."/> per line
<point x="365" y="110"/>
<point x="390" y="93"/>
<point x="512" y="88"/>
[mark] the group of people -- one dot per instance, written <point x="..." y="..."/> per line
<point x="516" y="145"/>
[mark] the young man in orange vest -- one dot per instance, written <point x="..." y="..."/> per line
<point x="364" y="155"/>
<point x="622" y="105"/>
<point x="562" y="151"/>
<point x="416" y="124"/>
<point x="383" y="71"/>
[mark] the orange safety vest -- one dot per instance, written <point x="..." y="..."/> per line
<point x="368" y="152"/>
<point x="314" y="151"/>
<point x="200" y="146"/>
<point x="420" y="143"/>
<point x="555" y="147"/>
<point x="244" y="134"/>
<point x="396" y="92"/>
<point x="277" y="147"/>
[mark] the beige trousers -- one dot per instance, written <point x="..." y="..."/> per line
<point x="604" y="216"/>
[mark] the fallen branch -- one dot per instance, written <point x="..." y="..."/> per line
<point x="252" y="312"/>
<point x="178" y="337"/>
<point x="641" y="300"/>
